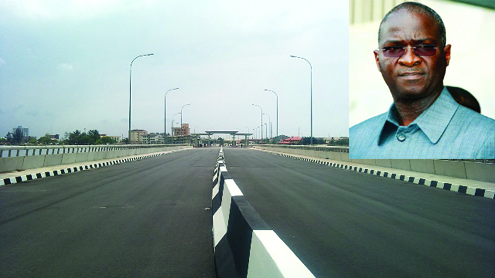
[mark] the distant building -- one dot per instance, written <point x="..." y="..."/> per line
<point x="137" y="136"/>
<point x="294" y="140"/>
<point x="182" y="131"/>
<point x="24" y="130"/>
<point x="52" y="136"/>
<point x="153" y="138"/>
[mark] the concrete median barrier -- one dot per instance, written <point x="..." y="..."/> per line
<point x="244" y="244"/>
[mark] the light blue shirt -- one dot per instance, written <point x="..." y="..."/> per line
<point x="446" y="130"/>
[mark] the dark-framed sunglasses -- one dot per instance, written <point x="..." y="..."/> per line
<point x="398" y="51"/>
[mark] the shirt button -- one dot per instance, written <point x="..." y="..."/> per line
<point x="401" y="137"/>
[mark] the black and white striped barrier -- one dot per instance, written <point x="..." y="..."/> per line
<point x="52" y="173"/>
<point x="481" y="192"/>
<point x="244" y="244"/>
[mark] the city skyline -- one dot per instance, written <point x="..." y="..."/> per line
<point x="64" y="66"/>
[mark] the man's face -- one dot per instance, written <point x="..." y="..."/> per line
<point x="410" y="76"/>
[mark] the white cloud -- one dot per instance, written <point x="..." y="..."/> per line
<point x="63" y="9"/>
<point x="2" y="61"/>
<point x="65" y="66"/>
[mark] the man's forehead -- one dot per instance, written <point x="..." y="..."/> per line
<point x="409" y="25"/>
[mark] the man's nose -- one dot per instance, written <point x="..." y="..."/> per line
<point x="409" y="58"/>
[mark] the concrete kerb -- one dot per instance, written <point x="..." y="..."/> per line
<point x="244" y="245"/>
<point x="32" y="174"/>
<point x="419" y="178"/>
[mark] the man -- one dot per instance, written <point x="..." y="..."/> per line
<point x="424" y="121"/>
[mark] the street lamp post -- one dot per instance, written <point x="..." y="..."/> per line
<point x="165" y="113"/>
<point x="261" y="126"/>
<point x="172" y="124"/>
<point x="270" y="121"/>
<point x="311" y="93"/>
<point x="277" y="108"/>
<point x="130" y="93"/>
<point x="266" y="130"/>
<point x="181" y="115"/>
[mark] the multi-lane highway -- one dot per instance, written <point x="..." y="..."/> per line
<point x="146" y="218"/>
<point x="152" y="218"/>
<point x="347" y="224"/>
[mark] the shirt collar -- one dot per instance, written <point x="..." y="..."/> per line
<point x="433" y="121"/>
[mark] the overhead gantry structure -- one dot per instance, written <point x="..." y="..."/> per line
<point x="231" y="132"/>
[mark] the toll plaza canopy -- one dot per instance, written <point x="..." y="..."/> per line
<point x="231" y="132"/>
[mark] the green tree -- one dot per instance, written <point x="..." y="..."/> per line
<point x="342" y="142"/>
<point x="332" y="142"/>
<point x="93" y="136"/>
<point x="44" y="140"/>
<point x="73" y="138"/>
<point x="105" y="140"/>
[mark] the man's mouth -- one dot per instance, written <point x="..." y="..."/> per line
<point x="411" y="75"/>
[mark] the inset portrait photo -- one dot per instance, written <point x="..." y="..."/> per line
<point x="421" y="80"/>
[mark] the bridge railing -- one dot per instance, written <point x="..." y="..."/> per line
<point x="13" y="158"/>
<point x="326" y="152"/>
<point x="464" y="169"/>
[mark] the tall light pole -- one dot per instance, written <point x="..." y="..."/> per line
<point x="311" y="93"/>
<point x="266" y="130"/>
<point x="277" y="107"/>
<point x="270" y="121"/>
<point x="165" y="112"/>
<point x="181" y="115"/>
<point x="172" y="124"/>
<point x="261" y="125"/>
<point x="130" y="93"/>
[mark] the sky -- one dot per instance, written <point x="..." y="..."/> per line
<point x="65" y="65"/>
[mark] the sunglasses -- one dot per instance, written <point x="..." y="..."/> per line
<point x="420" y="50"/>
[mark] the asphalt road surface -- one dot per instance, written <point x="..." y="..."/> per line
<point x="147" y="218"/>
<point x="346" y="224"/>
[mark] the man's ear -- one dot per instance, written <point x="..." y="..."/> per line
<point x="377" y="59"/>
<point x="446" y="50"/>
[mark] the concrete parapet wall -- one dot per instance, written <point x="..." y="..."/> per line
<point x="69" y="158"/>
<point x="52" y="160"/>
<point x="82" y="157"/>
<point x="32" y="162"/>
<point x="44" y="156"/>
<point x="458" y="169"/>
<point x="448" y="168"/>
<point x="474" y="170"/>
<point x="11" y="163"/>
